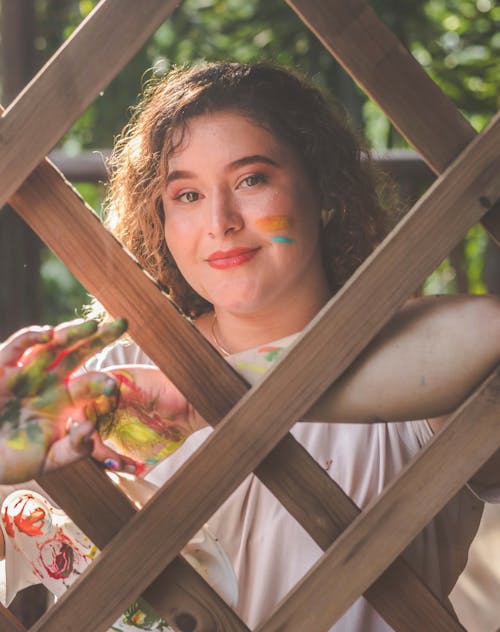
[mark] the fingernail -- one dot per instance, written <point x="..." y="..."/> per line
<point x="110" y="387"/>
<point x="129" y="468"/>
<point x="112" y="464"/>
<point x="113" y="330"/>
<point x="121" y="324"/>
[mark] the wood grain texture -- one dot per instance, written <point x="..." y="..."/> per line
<point x="110" y="273"/>
<point x="90" y="499"/>
<point x="327" y="347"/>
<point x="70" y="81"/>
<point x="320" y="529"/>
<point x="179" y="592"/>
<point x="181" y="596"/>
<point x="8" y="622"/>
<point x="391" y="76"/>
<point x="60" y="217"/>
<point x="398" y="594"/>
<point x="407" y="504"/>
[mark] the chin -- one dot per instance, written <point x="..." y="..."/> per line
<point x="239" y="300"/>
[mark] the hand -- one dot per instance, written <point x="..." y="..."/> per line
<point x="43" y="409"/>
<point x="152" y="418"/>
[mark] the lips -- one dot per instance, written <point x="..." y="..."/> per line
<point x="224" y="259"/>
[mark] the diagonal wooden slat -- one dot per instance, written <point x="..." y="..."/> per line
<point x="257" y="423"/>
<point x="179" y="589"/>
<point x="8" y="622"/>
<point x="407" y="504"/>
<point x="97" y="497"/>
<point x="376" y="59"/>
<point x="52" y="209"/>
<point x="169" y="591"/>
<point x="175" y="591"/>
<point x="70" y="81"/>
<point x="398" y="594"/>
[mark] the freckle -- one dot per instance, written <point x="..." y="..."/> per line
<point x="281" y="239"/>
<point x="273" y="223"/>
<point x="422" y="380"/>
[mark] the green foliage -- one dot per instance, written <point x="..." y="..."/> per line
<point x="63" y="296"/>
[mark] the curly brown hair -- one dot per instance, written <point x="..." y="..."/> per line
<point x="282" y="102"/>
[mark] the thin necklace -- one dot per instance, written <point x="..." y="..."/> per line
<point x="224" y="351"/>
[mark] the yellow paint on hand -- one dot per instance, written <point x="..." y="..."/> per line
<point x="273" y="223"/>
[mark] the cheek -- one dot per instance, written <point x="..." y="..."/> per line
<point x="278" y="227"/>
<point x="179" y="235"/>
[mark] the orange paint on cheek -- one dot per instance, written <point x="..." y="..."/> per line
<point x="273" y="223"/>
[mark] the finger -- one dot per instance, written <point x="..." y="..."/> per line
<point x="94" y="393"/>
<point x="71" y="331"/>
<point x="77" y="444"/>
<point x="34" y="374"/>
<point x="35" y="362"/>
<point x="14" y="347"/>
<point x="111" y="459"/>
<point x="79" y="353"/>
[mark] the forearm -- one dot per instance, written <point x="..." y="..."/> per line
<point x="423" y="364"/>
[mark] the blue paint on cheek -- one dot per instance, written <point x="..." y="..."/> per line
<point x="281" y="239"/>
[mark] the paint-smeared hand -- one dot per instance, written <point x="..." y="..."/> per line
<point x="152" y="418"/>
<point x="44" y="409"/>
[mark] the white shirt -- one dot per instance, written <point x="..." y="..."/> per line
<point x="270" y="552"/>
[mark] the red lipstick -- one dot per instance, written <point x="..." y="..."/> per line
<point x="223" y="259"/>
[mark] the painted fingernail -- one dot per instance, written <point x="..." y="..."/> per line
<point x="113" y="330"/>
<point x="110" y="387"/>
<point x="112" y="464"/>
<point x="120" y="324"/>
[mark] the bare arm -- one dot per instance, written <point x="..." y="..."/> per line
<point x="422" y="365"/>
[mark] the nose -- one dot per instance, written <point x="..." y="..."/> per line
<point x="225" y="216"/>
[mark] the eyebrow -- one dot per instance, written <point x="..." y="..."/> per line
<point x="247" y="160"/>
<point x="178" y="174"/>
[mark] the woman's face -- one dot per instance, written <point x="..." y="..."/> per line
<point x="241" y="216"/>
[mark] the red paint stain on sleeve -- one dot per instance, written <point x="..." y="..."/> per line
<point x="9" y="526"/>
<point x="30" y="523"/>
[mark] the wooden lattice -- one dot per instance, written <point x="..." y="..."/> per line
<point x="143" y="557"/>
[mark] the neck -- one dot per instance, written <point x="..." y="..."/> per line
<point x="236" y="331"/>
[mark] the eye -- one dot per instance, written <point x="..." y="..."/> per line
<point x="252" y="180"/>
<point x="188" y="197"/>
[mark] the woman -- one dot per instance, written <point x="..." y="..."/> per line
<point x="242" y="191"/>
